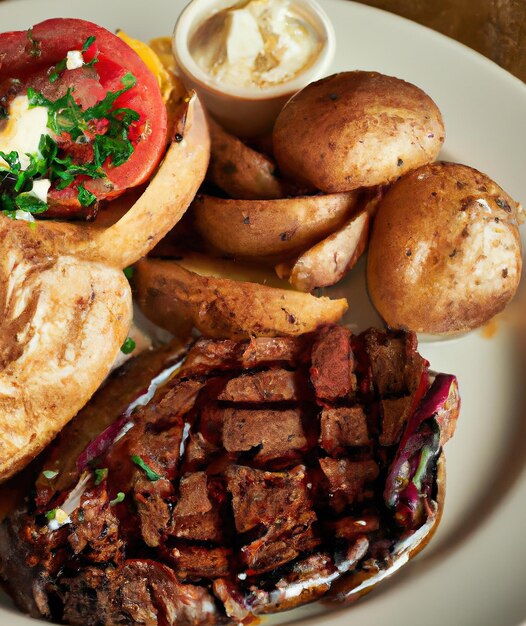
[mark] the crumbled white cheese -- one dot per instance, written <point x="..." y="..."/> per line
<point x="74" y="60"/>
<point x="40" y="189"/>
<point x="25" y="216"/>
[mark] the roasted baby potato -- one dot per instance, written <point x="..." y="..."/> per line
<point x="356" y="129"/>
<point x="217" y="299"/>
<point x="240" y="171"/>
<point x="328" y="261"/>
<point x="269" y="228"/>
<point x="445" y="252"/>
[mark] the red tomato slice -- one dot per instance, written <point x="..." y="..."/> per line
<point x="27" y="56"/>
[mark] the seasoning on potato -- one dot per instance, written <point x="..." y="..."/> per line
<point x="271" y="228"/>
<point x="222" y="299"/>
<point x="445" y="251"/>
<point x="356" y="129"/>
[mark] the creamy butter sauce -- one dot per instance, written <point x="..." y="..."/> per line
<point x="256" y="43"/>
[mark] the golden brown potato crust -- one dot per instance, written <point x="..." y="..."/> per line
<point x="169" y="294"/>
<point x="356" y="129"/>
<point x="63" y="323"/>
<point x="238" y="170"/>
<point x="445" y="252"/>
<point x="329" y="260"/>
<point x="267" y="228"/>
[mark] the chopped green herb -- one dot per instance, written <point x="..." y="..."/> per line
<point x="101" y="126"/>
<point x="104" y="106"/>
<point x="150" y="474"/>
<point x="92" y="62"/>
<point x="88" y="43"/>
<point x="50" y="474"/>
<point x="128" y="272"/>
<point x="50" y="515"/>
<point x="11" y="158"/>
<point x="86" y="198"/>
<point x="30" y="204"/>
<point x="120" y="498"/>
<point x="3" y="113"/>
<point x="128" y="346"/>
<point x="100" y="475"/>
<point x="34" y="45"/>
<point x="85" y="47"/>
<point x="55" y="73"/>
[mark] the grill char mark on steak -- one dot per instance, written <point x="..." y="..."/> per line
<point x="253" y="443"/>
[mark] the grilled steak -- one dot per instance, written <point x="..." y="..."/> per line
<point x="263" y="475"/>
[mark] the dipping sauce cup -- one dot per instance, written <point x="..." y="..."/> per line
<point x="248" y="110"/>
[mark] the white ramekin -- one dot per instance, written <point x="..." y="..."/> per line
<point x="247" y="112"/>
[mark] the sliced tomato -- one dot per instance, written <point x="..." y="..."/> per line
<point x="26" y="58"/>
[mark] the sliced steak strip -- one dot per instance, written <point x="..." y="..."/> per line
<point x="274" y="385"/>
<point x="342" y="428"/>
<point x="278" y="503"/>
<point x="331" y="371"/>
<point x="351" y="527"/>
<point x="283" y="542"/>
<point x="195" y="516"/>
<point x="193" y="562"/>
<point x="210" y="355"/>
<point x="261" y="498"/>
<point x="147" y="592"/>
<point x="277" y="434"/>
<point x="394" y="415"/>
<point x="396" y="366"/>
<point x="87" y="598"/>
<point x="347" y="480"/>
<point x="153" y="500"/>
<point x="95" y="528"/>
<point x="267" y="350"/>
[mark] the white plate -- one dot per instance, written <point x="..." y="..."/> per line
<point x="474" y="571"/>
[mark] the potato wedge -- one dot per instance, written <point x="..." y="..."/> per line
<point x="222" y="307"/>
<point x="328" y="261"/>
<point x="270" y="228"/>
<point x="240" y="171"/>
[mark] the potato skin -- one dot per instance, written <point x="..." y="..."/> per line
<point x="223" y="308"/>
<point x="329" y="260"/>
<point x="270" y="228"/>
<point x="445" y="252"/>
<point x="356" y="129"/>
<point x="238" y="170"/>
